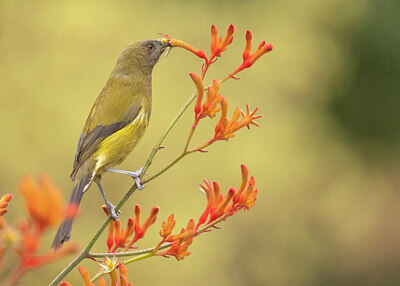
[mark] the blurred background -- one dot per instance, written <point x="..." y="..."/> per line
<point x="326" y="158"/>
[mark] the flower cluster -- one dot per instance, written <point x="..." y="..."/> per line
<point x="218" y="205"/>
<point x="215" y="103"/>
<point x="219" y="45"/>
<point x="45" y="209"/>
<point x="218" y="208"/>
<point x="119" y="238"/>
<point x="114" y="281"/>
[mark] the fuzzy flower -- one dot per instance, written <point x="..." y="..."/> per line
<point x="44" y="201"/>
<point x="4" y="203"/>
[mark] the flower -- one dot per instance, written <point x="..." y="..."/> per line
<point x="210" y="106"/>
<point x="248" y="58"/>
<point x="184" y="234"/>
<point x="219" y="45"/>
<point x="167" y="226"/>
<point x="225" y="129"/>
<point x="181" y="242"/>
<point x="141" y="230"/>
<point x="123" y="281"/>
<point x="116" y="234"/>
<point x="186" y="46"/>
<point x="4" y="203"/>
<point x="29" y="246"/>
<point x="219" y="206"/>
<point x="118" y="237"/>
<point x="44" y="201"/>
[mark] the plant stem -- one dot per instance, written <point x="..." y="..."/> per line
<point x="128" y="253"/>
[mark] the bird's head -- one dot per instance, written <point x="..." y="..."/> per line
<point x="141" y="56"/>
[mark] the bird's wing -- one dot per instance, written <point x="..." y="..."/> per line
<point x="118" y="105"/>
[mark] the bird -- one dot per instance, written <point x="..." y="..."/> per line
<point x="116" y="123"/>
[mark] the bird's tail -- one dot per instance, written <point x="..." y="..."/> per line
<point x="64" y="231"/>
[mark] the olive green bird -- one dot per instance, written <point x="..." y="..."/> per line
<point x="116" y="123"/>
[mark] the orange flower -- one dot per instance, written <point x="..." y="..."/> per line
<point x="245" y="196"/>
<point x="44" y="201"/>
<point x="225" y="129"/>
<point x="219" y="45"/>
<point x="4" y="203"/>
<point x="121" y="237"/>
<point x="184" y="234"/>
<point x="30" y="243"/>
<point x="141" y="230"/>
<point x="167" y="226"/>
<point x="182" y="241"/>
<point x="219" y="206"/>
<point x="123" y="281"/>
<point x="248" y="58"/>
<point x="186" y="46"/>
<point x="210" y="106"/>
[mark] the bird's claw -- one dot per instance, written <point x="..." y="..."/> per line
<point x="113" y="213"/>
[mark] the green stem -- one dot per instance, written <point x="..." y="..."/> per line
<point x="128" y="253"/>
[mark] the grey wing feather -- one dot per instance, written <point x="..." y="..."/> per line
<point x="88" y="143"/>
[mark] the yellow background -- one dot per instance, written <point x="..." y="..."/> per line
<point x="325" y="158"/>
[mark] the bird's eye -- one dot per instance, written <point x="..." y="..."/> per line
<point x="150" y="47"/>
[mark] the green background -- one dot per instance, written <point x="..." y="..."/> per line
<point x="325" y="159"/>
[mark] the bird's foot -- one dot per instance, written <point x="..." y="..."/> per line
<point x="113" y="213"/>
<point x="134" y="175"/>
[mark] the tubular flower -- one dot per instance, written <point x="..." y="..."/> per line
<point x="123" y="281"/>
<point x="184" y="234"/>
<point x="4" y="203"/>
<point x="225" y="129"/>
<point x="234" y="200"/>
<point x="186" y="46"/>
<point x="116" y="234"/>
<point x="210" y="106"/>
<point x="44" y="200"/>
<point x="120" y="238"/>
<point x="248" y="58"/>
<point x="219" y="45"/>
<point x="141" y="230"/>
<point x="167" y="226"/>
<point x="182" y="241"/>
